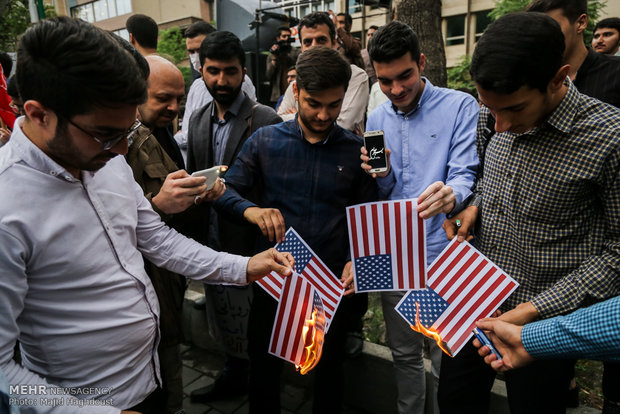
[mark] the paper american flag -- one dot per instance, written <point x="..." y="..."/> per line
<point x="297" y="301"/>
<point x="312" y="269"/>
<point x="388" y="246"/>
<point x="463" y="287"/>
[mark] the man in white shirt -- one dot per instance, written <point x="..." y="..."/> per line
<point x="317" y="29"/>
<point x="74" y="226"/>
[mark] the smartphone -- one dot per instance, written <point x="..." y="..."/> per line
<point x="484" y="340"/>
<point x="374" y="142"/>
<point x="211" y="174"/>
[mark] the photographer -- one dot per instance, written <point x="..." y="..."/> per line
<point x="282" y="56"/>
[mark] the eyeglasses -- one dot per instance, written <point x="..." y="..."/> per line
<point x="106" y="144"/>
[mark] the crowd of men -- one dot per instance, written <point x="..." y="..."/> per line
<point x="95" y="248"/>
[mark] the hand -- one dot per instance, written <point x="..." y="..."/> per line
<point x="437" y="198"/>
<point x="507" y="339"/>
<point x="366" y="167"/>
<point x="5" y="135"/>
<point x="218" y="190"/>
<point x="269" y="220"/>
<point x="467" y="219"/>
<point x="179" y="192"/>
<point x="333" y="17"/>
<point x="522" y="314"/>
<point x="347" y="279"/>
<point x="269" y="261"/>
<point x="291" y="110"/>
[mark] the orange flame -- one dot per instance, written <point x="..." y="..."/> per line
<point x="427" y="332"/>
<point x="313" y="342"/>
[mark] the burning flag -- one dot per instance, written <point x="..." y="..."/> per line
<point x="388" y="246"/>
<point x="312" y="269"/>
<point x="463" y="287"/>
<point x="299" y="327"/>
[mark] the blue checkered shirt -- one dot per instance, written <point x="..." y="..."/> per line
<point x="592" y="333"/>
<point x="550" y="205"/>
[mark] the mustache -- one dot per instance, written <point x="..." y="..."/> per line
<point x="218" y="88"/>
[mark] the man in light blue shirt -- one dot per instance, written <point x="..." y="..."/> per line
<point x="430" y="133"/>
<point x="592" y="333"/>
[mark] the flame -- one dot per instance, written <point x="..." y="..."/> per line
<point x="418" y="327"/>
<point x="313" y="342"/>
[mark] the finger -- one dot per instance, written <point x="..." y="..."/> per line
<point x="449" y="226"/>
<point x="178" y="174"/>
<point x="269" y="228"/>
<point x="499" y="365"/>
<point x="350" y="291"/>
<point x="364" y="151"/>
<point x="279" y="226"/>
<point x="285" y="260"/>
<point x="433" y="188"/>
<point x="188" y="181"/>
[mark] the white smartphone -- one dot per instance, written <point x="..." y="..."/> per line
<point x="211" y="174"/>
<point x="374" y="142"/>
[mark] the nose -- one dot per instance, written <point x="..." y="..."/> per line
<point x="397" y="88"/>
<point x="502" y="123"/>
<point x="323" y="115"/>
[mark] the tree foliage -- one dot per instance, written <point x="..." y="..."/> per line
<point x="14" y="20"/>
<point x="594" y="11"/>
<point x="172" y="44"/>
<point x="459" y="77"/>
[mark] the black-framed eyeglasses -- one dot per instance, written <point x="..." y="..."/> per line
<point x="106" y="144"/>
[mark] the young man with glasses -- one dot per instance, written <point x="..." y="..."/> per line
<point x="74" y="227"/>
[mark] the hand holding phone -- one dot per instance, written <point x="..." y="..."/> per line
<point x="374" y="142"/>
<point x="211" y="174"/>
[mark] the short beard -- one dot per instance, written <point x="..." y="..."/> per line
<point x="227" y="99"/>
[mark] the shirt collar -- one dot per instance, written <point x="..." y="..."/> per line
<point x="562" y="117"/>
<point x="330" y="137"/>
<point x="233" y="111"/>
<point x="426" y="93"/>
<point x="34" y="157"/>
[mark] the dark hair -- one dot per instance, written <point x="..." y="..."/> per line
<point x="7" y="64"/>
<point x="144" y="29"/>
<point x="197" y="29"/>
<point x="71" y="67"/>
<point x="348" y="20"/>
<point x="317" y="18"/>
<point x="222" y="45"/>
<point x="283" y="29"/>
<point x="320" y="68"/>
<point x="571" y="9"/>
<point x="374" y="26"/>
<point x="11" y="87"/>
<point x="518" y="49"/>
<point x="141" y="62"/>
<point x="610" y="22"/>
<point x="392" y="41"/>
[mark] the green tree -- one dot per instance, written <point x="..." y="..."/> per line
<point x="459" y="77"/>
<point x="594" y="11"/>
<point x="172" y="44"/>
<point x="14" y="20"/>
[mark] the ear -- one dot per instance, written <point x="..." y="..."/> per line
<point x="295" y="91"/>
<point x="558" y="79"/>
<point x="131" y="39"/>
<point x="245" y="70"/>
<point x="422" y="62"/>
<point x="37" y="113"/>
<point x="581" y="23"/>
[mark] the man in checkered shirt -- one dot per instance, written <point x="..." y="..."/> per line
<point x="546" y="207"/>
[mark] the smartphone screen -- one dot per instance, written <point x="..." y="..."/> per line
<point x="375" y="145"/>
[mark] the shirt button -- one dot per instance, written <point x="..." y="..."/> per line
<point x="53" y="173"/>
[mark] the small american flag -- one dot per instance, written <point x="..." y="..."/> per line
<point x="388" y="246"/>
<point x="463" y="287"/>
<point x="311" y="268"/>
<point x="298" y="300"/>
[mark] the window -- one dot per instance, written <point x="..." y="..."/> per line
<point x="482" y="21"/>
<point x="84" y="12"/>
<point x="354" y="6"/>
<point x="123" y="33"/>
<point x="101" y="10"/>
<point x="455" y="30"/>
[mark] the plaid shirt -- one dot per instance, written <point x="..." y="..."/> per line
<point x="550" y="205"/>
<point x="592" y="333"/>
